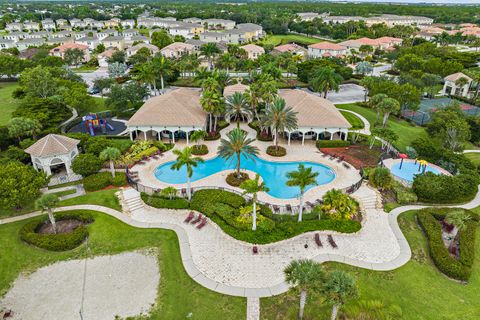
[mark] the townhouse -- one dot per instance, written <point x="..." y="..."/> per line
<point x="177" y="49"/>
<point x="326" y="49"/>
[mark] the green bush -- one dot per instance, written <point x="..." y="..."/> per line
<point x="158" y="201"/>
<point x="457" y="269"/>
<point x="86" y="164"/>
<point x="404" y="195"/>
<point x="120" y="179"/>
<point x="433" y="188"/>
<point x="380" y="178"/>
<point x="104" y="179"/>
<point x="276" y="151"/>
<point x="332" y="143"/>
<point x="199" y="150"/>
<point x="234" y="180"/>
<point x="261" y="136"/>
<point x="57" y="242"/>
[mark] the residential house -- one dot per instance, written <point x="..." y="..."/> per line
<point x="114" y="42"/>
<point x="14" y="26"/>
<point x="453" y="86"/>
<point x="177" y="49"/>
<point x="129" y="23"/>
<point x="59" y="40"/>
<point x="136" y="39"/>
<point x="90" y="42"/>
<point x="196" y="43"/>
<point x="193" y="20"/>
<point x="102" y="34"/>
<point x="104" y="56"/>
<point x="216" y="24"/>
<point x="292" y="48"/>
<point x="134" y="49"/>
<point x="7" y="44"/>
<point x="253" y="51"/>
<point x="48" y="24"/>
<point x="83" y="34"/>
<point x="15" y="36"/>
<point x="37" y="35"/>
<point x="61" y="34"/>
<point x="61" y="23"/>
<point x="129" y="33"/>
<point x="27" y="43"/>
<point x="112" y="23"/>
<point x="60" y="50"/>
<point x="31" y="26"/>
<point x="251" y="31"/>
<point x="326" y="49"/>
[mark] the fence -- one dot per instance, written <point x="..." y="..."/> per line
<point x="64" y="179"/>
<point x="275" y="208"/>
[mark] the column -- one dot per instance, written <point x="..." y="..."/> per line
<point x="346" y="135"/>
<point x="289" y="138"/>
<point x="187" y="135"/>
<point x="47" y="170"/>
<point x="131" y="135"/>
<point x="173" y="136"/>
<point x="318" y="135"/>
<point x="159" y="136"/>
<point x="145" y="135"/>
<point x="331" y="136"/>
<point x="68" y="167"/>
<point x="303" y="138"/>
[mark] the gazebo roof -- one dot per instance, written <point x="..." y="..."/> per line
<point x="51" y="145"/>
<point x="238" y="87"/>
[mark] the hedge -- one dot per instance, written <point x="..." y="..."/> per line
<point x="158" y="201"/>
<point x="200" y="150"/>
<point x="57" y="242"/>
<point x="332" y="143"/>
<point x="456" y="269"/>
<point x="276" y="152"/>
<point x="104" y="179"/>
<point x="234" y="181"/>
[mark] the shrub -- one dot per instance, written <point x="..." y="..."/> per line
<point x="332" y="143"/>
<point x="199" y="150"/>
<point x="261" y="136"/>
<point x="234" y="180"/>
<point x="404" y="195"/>
<point x="457" y="269"/>
<point x="380" y="178"/>
<point x="102" y="180"/>
<point x="86" y="164"/>
<point x="276" y="151"/>
<point x="57" y="242"/>
<point x="433" y="188"/>
<point x="120" y="179"/>
<point x="158" y="201"/>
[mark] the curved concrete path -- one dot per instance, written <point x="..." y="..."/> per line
<point x="366" y="124"/>
<point x="188" y="234"/>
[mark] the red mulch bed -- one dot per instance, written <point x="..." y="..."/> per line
<point x="357" y="156"/>
<point x="63" y="226"/>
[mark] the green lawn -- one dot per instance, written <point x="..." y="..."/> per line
<point x="178" y="295"/>
<point x="106" y="198"/>
<point x="8" y="104"/>
<point x="65" y="192"/>
<point x="355" y="121"/>
<point x="99" y="105"/>
<point x="406" y="131"/>
<point x="418" y="289"/>
<point x="279" y="39"/>
<point x="474" y="157"/>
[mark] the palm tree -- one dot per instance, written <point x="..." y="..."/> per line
<point x="197" y="136"/>
<point x="338" y="288"/>
<point x="145" y="73"/>
<point x="237" y="107"/>
<point x="387" y="106"/>
<point x="253" y="95"/>
<point x="163" y="68"/>
<point x="47" y="202"/>
<point x="237" y="145"/>
<point x="111" y="154"/>
<point x="210" y="100"/>
<point x="306" y="275"/>
<point x="169" y="192"/>
<point x="209" y="50"/>
<point x="302" y="178"/>
<point x="279" y="117"/>
<point x="223" y="79"/>
<point x="185" y="158"/>
<point x="201" y="74"/>
<point x="364" y="68"/>
<point x="227" y="61"/>
<point x="375" y="102"/>
<point x="459" y="219"/>
<point x="253" y="187"/>
<point x="339" y="204"/>
<point x="325" y="79"/>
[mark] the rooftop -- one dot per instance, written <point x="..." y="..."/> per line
<point x="52" y="145"/>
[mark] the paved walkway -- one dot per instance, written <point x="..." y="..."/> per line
<point x="366" y="123"/>
<point x="79" y="191"/>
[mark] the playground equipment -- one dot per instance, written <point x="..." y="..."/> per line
<point x="93" y="121"/>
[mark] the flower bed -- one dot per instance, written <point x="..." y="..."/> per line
<point x="234" y="180"/>
<point x="199" y="150"/>
<point x="359" y="156"/>
<point x="276" y="151"/>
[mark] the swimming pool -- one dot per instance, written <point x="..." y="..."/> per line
<point x="273" y="173"/>
<point x="409" y="170"/>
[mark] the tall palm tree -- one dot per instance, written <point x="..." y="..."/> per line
<point x="110" y="154"/>
<point x="302" y="178"/>
<point x="279" y="117"/>
<point x="338" y="288"/>
<point x="201" y="74"/>
<point x="253" y="187"/>
<point x="237" y="107"/>
<point x="47" y="202"/>
<point x="253" y="95"/>
<point x="210" y="100"/>
<point x="185" y="159"/>
<point x="227" y="61"/>
<point x="163" y="68"/>
<point x="388" y="106"/>
<point x="237" y="144"/>
<point x="306" y="275"/>
<point x="209" y="51"/>
<point x="145" y="73"/>
<point x="325" y="79"/>
<point x="197" y="136"/>
<point x="375" y="102"/>
<point x="223" y="79"/>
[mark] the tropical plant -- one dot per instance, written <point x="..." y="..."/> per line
<point x="302" y="178"/>
<point x="337" y="289"/>
<point x="325" y="79"/>
<point x="364" y="67"/>
<point x="339" y="205"/>
<point x="111" y="154"/>
<point x="210" y="100"/>
<point x="279" y="118"/>
<point x="47" y="202"/>
<point x="163" y="68"/>
<point x="227" y="61"/>
<point x="237" y="107"/>
<point x="388" y="106"/>
<point x="237" y="144"/>
<point x="209" y="51"/>
<point x="375" y="102"/>
<point x="305" y="275"/>
<point x="185" y="159"/>
<point x="197" y="135"/>
<point x="145" y="73"/>
<point x="253" y="187"/>
<point x="459" y="219"/>
<point x="169" y="192"/>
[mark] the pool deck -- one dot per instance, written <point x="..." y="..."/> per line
<point x="295" y="152"/>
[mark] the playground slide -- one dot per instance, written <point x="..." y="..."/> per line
<point x="90" y="128"/>
<point x="110" y="127"/>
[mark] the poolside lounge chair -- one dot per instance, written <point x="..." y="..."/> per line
<point x="311" y="205"/>
<point x="197" y="219"/>
<point x="189" y="217"/>
<point x="255" y="249"/>
<point x="346" y="166"/>
<point x="317" y="240"/>
<point x="276" y="209"/>
<point x="289" y="208"/>
<point x="183" y="192"/>
<point x="331" y="241"/>
<point x="202" y="224"/>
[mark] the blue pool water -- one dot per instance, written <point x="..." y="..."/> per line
<point x="409" y="170"/>
<point x="273" y="173"/>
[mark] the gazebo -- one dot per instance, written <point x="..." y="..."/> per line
<point x="53" y="151"/>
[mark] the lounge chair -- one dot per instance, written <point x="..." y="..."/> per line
<point x="189" y="217"/>
<point x="202" y="224"/>
<point x="276" y="209"/>
<point x="289" y="208"/>
<point x="311" y="205"/>
<point x="345" y="165"/>
<point x="255" y="249"/>
<point x="197" y="219"/>
<point x="317" y="240"/>
<point x="331" y="241"/>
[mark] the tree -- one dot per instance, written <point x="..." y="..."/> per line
<point x="39" y="82"/>
<point x="163" y="68"/>
<point x="117" y="70"/>
<point x="209" y="51"/>
<point x="364" y="68"/>
<point x="306" y="275"/>
<point x="161" y="39"/>
<point x="210" y="100"/>
<point x="375" y="103"/>
<point x="145" y="73"/>
<point x="388" y="106"/>
<point x="237" y="107"/>
<point x="185" y="159"/>
<point x="19" y="184"/>
<point x="124" y="97"/>
<point x="253" y="187"/>
<point x="325" y="79"/>
<point x="302" y="178"/>
<point x="450" y="127"/>
<point x="339" y="205"/>
<point x="73" y="57"/>
<point x="459" y="219"/>
<point x="227" y="61"/>
<point x="86" y="164"/>
<point x="117" y="56"/>
<point x="237" y="144"/>
<point x="20" y="126"/>
<point x="169" y="192"/>
<point x="103" y="83"/>
<point x="197" y="135"/>
<point x="338" y="288"/>
<point x="279" y="117"/>
<point x="99" y="48"/>
<point x="47" y="202"/>
<point x="111" y="154"/>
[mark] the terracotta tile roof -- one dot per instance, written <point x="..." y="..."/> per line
<point x="313" y="111"/>
<point x="179" y="107"/>
<point x="325" y="45"/>
<point x="454" y="77"/>
<point x="238" y="87"/>
<point x="289" y="47"/>
<point x="253" y="48"/>
<point x="178" y="46"/>
<point x="51" y="145"/>
<point x="66" y="46"/>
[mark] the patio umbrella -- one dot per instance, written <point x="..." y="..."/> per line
<point x="402" y="156"/>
